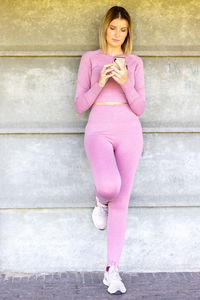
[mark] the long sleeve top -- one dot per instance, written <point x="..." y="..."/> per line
<point x="89" y="91"/>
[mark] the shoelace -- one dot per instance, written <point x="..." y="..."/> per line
<point x="105" y="209"/>
<point x="115" y="275"/>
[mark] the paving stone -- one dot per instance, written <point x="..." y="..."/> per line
<point x="89" y="286"/>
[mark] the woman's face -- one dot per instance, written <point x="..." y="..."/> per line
<point x="117" y="32"/>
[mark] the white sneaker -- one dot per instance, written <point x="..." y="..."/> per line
<point x="114" y="281"/>
<point x="100" y="215"/>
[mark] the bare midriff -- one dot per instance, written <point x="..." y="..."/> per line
<point x="109" y="103"/>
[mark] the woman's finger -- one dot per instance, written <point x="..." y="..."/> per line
<point x="116" y="75"/>
<point x="117" y="70"/>
<point x="109" y="75"/>
<point x="108" y="65"/>
<point x="107" y="69"/>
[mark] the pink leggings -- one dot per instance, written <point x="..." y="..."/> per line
<point x="113" y="143"/>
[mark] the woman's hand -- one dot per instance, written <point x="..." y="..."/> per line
<point x="105" y="74"/>
<point x="119" y="74"/>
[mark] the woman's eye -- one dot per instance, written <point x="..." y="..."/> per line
<point x="114" y="28"/>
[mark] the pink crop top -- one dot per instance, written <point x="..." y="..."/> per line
<point x="89" y="91"/>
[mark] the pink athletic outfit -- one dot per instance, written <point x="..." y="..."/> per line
<point x="113" y="137"/>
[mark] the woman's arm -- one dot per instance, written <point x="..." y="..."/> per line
<point x="85" y="93"/>
<point x="135" y="94"/>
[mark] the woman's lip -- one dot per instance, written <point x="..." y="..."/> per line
<point x="115" y="40"/>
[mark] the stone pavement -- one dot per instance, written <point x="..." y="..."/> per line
<point x="89" y="285"/>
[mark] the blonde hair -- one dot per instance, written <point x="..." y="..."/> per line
<point x="113" y="13"/>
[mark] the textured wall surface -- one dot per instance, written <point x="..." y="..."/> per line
<point x="53" y="171"/>
<point x="46" y="185"/>
<point x="157" y="239"/>
<point x="158" y="25"/>
<point x="37" y="95"/>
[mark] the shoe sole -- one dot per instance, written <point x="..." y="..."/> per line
<point x="118" y="292"/>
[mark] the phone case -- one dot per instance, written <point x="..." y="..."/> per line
<point x="119" y="57"/>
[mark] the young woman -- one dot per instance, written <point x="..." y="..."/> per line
<point x="113" y="137"/>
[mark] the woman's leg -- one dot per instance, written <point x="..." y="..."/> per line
<point x="113" y="174"/>
<point x="127" y="154"/>
<point x="102" y="160"/>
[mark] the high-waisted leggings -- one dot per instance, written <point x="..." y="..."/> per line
<point x="113" y="143"/>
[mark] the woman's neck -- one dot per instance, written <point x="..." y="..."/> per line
<point x="114" y="52"/>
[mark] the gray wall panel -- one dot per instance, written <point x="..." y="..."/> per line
<point x="49" y="240"/>
<point x="53" y="171"/>
<point x="158" y="26"/>
<point x="37" y="95"/>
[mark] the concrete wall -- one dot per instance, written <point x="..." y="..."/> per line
<point x="46" y="185"/>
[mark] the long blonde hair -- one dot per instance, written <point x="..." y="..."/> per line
<point x="113" y="13"/>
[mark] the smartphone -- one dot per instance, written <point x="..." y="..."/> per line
<point x="120" y="60"/>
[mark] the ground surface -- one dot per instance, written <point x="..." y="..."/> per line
<point x="89" y="285"/>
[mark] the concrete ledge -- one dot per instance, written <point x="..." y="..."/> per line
<point x="181" y="51"/>
<point x="74" y="128"/>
